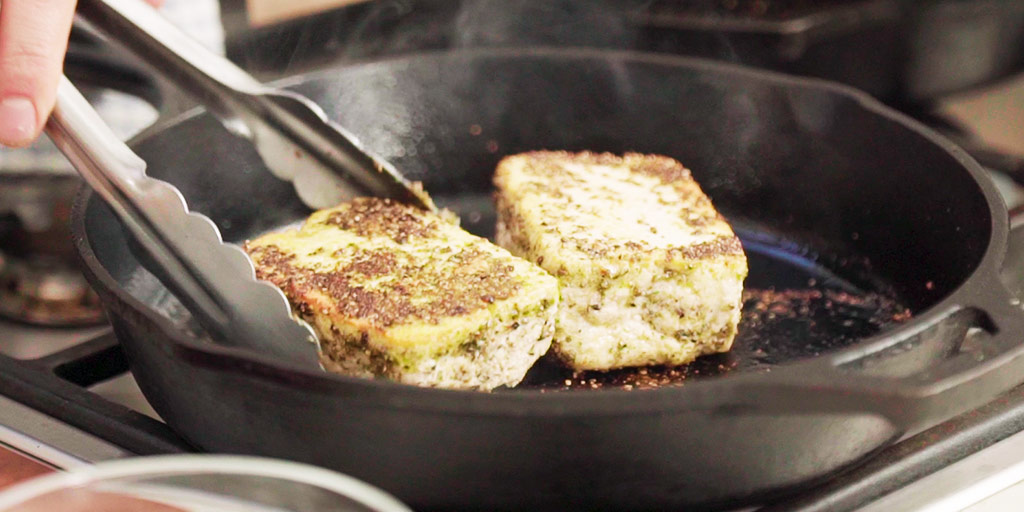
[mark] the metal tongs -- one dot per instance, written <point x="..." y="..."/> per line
<point x="291" y="133"/>
<point x="215" y="280"/>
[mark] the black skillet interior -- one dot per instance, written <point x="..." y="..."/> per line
<point x="851" y="222"/>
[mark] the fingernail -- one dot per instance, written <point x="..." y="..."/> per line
<point x="17" y="120"/>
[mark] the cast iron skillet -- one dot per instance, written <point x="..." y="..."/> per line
<point x="853" y="211"/>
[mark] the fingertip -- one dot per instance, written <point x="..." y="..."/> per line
<point x="18" y="121"/>
<point x="33" y="39"/>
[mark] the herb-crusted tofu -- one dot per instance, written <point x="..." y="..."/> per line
<point x="398" y="292"/>
<point x="650" y="273"/>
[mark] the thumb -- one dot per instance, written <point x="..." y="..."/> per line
<point x="33" y="39"/>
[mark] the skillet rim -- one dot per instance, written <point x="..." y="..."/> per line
<point x="606" y="402"/>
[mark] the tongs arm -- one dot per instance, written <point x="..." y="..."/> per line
<point x="216" y="281"/>
<point x="279" y="123"/>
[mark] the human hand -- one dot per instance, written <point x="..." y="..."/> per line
<point x="33" y="40"/>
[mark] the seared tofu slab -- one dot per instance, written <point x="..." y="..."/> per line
<point x="397" y="292"/>
<point x="650" y="273"/>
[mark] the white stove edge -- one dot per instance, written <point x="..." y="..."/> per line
<point x="50" y="440"/>
<point x="970" y="483"/>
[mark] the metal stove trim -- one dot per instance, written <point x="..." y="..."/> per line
<point x="50" y="440"/>
<point x="962" y="484"/>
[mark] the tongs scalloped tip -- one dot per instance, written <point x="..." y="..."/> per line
<point x="216" y="281"/>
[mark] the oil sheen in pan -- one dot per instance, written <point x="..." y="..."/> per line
<point x="793" y="307"/>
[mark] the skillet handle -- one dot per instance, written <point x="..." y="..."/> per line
<point x="990" y="365"/>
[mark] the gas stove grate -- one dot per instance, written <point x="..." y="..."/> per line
<point x="56" y="385"/>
